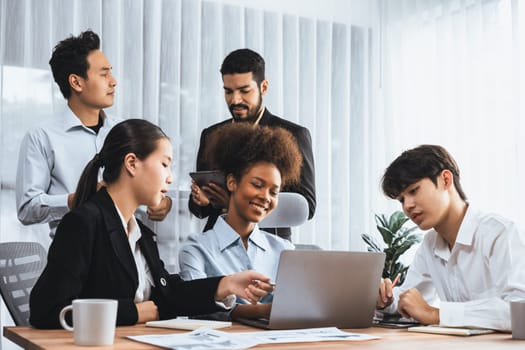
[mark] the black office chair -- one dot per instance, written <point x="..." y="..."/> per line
<point x="21" y="263"/>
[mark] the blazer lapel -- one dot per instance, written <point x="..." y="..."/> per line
<point x="149" y="250"/>
<point x="117" y="235"/>
<point x="266" y="118"/>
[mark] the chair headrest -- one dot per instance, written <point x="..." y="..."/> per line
<point x="292" y="210"/>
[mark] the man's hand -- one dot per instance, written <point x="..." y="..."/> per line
<point x="385" y="297"/>
<point x="70" y="199"/>
<point x="218" y="196"/>
<point x="198" y="196"/>
<point x="159" y="212"/>
<point x="412" y="304"/>
<point x="71" y="196"/>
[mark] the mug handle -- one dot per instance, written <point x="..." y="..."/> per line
<point x="62" y="319"/>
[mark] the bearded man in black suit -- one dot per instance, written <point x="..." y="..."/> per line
<point x="244" y="87"/>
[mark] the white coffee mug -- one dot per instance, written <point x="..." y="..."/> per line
<point x="93" y="321"/>
<point x="517" y="319"/>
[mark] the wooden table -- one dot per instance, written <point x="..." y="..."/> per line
<point x="391" y="339"/>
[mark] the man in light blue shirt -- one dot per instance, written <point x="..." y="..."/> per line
<point x="54" y="154"/>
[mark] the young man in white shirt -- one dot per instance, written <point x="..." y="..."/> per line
<point x="469" y="265"/>
<point x="54" y="153"/>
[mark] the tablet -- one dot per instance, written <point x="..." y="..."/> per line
<point x="202" y="178"/>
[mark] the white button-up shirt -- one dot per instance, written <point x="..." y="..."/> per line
<point x="473" y="282"/>
<point x="145" y="278"/>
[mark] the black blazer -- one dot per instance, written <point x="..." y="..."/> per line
<point x="90" y="257"/>
<point x="305" y="187"/>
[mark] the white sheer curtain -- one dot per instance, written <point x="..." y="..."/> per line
<point x="166" y="56"/>
<point x="452" y="73"/>
<point x="446" y="72"/>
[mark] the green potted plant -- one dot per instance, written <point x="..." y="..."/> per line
<point x="398" y="238"/>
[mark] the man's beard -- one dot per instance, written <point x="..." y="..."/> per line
<point x="250" y="118"/>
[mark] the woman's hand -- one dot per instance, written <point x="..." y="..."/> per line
<point x="249" y="285"/>
<point x="147" y="311"/>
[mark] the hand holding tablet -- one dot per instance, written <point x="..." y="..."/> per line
<point x="203" y="178"/>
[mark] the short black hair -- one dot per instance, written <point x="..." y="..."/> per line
<point x="70" y="57"/>
<point x="244" y="61"/>
<point x="424" y="161"/>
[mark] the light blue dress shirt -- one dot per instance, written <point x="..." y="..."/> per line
<point x="220" y="251"/>
<point x="51" y="160"/>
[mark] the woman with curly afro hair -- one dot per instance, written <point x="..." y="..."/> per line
<point x="257" y="162"/>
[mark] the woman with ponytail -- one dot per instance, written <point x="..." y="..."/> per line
<point x="102" y="251"/>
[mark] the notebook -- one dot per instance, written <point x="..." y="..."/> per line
<point x="188" y="324"/>
<point x="324" y="289"/>
<point x="450" y="330"/>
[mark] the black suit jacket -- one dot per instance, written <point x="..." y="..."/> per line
<point x="305" y="187"/>
<point x="90" y="257"/>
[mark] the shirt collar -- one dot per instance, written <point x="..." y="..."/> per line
<point x="260" y="116"/>
<point x="465" y="235"/>
<point x="467" y="228"/>
<point x="227" y="236"/>
<point x="132" y="228"/>
<point x="71" y="121"/>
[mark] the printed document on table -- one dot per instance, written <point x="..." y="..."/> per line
<point x="305" y="335"/>
<point x="200" y="339"/>
<point x="211" y="339"/>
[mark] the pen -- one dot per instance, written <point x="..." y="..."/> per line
<point x="271" y="283"/>
<point x="396" y="279"/>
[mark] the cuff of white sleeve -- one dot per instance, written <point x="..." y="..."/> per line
<point x="451" y="314"/>
<point x="228" y="302"/>
<point x="57" y="201"/>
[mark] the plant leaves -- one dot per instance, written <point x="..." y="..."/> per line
<point x="370" y="241"/>
<point x="397" y="238"/>
<point x="397" y="220"/>
<point x="386" y="234"/>
<point x="381" y="220"/>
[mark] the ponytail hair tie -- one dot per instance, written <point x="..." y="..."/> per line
<point x="98" y="160"/>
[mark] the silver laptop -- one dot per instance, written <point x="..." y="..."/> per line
<point x="323" y="289"/>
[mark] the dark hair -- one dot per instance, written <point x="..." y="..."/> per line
<point x="136" y="136"/>
<point x="235" y="147"/>
<point x="70" y="57"/>
<point x="425" y="161"/>
<point x="244" y="61"/>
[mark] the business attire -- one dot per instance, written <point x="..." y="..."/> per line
<point x="472" y="283"/>
<point x="91" y="257"/>
<point x="51" y="160"/>
<point x="305" y="187"/>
